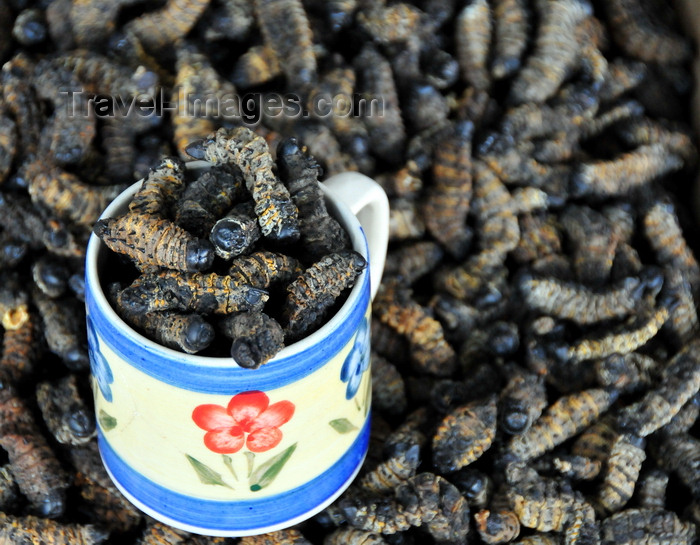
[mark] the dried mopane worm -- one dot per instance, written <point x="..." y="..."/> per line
<point x="263" y="269"/>
<point x="190" y="333"/>
<point x="320" y="233"/>
<point x="21" y="102"/>
<point x="277" y="214"/>
<point x="64" y="320"/>
<point x="680" y="381"/>
<point x="582" y="305"/>
<point x="256" y="338"/>
<point x="388" y="387"/>
<point x="429" y="350"/>
<point x="152" y="240"/>
<point x="339" y="84"/>
<point x="236" y="232"/>
<point x="620" y="477"/>
<point x="522" y="401"/>
<point x="285" y="29"/>
<point x="510" y="36"/>
<point x="662" y="229"/>
<point x="425" y="498"/>
<point x="625" y="173"/>
<point x="290" y="536"/>
<point x="257" y="65"/>
<point x="29" y="529"/>
<point x="21" y="349"/>
<point x="644" y="33"/>
<point x="562" y="420"/>
<point x="621" y="341"/>
<point x="68" y="136"/>
<point x="160" y="189"/>
<point x="146" y="235"/>
<point x="497" y="526"/>
<point x="555" y="50"/>
<point x="447" y="204"/>
<point x="65" y="413"/>
<point x="37" y="471"/>
<point x="50" y="276"/>
<point x="99" y="74"/>
<point x="546" y="504"/>
<point x="30" y="27"/>
<point x="188" y="123"/>
<point x="647" y="525"/>
<point x="680" y="454"/>
<point x="118" y="138"/>
<point x="352" y="536"/>
<point x="106" y="505"/>
<point x="651" y="488"/>
<point x="159" y="29"/>
<point x="207" y="198"/>
<point x="384" y="478"/>
<point x="14" y="311"/>
<point x="437" y="504"/>
<point x="473" y="39"/>
<point x="464" y="435"/>
<point x="411" y="261"/>
<point x="66" y="194"/>
<point x="475" y="485"/>
<point x="189" y="292"/>
<point x="313" y="293"/>
<point x="387" y="133"/>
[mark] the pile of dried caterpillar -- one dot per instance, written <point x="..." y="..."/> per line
<point x="212" y="252"/>
<point x="580" y="110"/>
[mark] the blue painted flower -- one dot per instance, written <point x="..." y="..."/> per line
<point x="357" y="361"/>
<point x="98" y="364"/>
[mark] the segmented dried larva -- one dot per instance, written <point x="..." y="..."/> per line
<point x="680" y="380"/>
<point x="640" y="34"/>
<point x="473" y="40"/>
<point x="285" y="29"/>
<point x="562" y="420"/>
<point x="555" y="51"/>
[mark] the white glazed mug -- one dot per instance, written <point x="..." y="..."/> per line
<point x="301" y="420"/>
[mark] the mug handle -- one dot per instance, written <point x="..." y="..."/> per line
<point x="367" y="200"/>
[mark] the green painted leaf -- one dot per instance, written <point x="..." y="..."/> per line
<point x="107" y="421"/>
<point x="206" y="474"/>
<point x="267" y="472"/>
<point x="250" y="457"/>
<point x="342" y="425"/>
<point x="228" y="462"/>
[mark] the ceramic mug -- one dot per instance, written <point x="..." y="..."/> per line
<point x="299" y="423"/>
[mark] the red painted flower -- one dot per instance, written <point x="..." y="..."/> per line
<point x="247" y="413"/>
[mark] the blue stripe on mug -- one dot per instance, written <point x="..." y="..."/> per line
<point x="180" y="371"/>
<point x="231" y="517"/>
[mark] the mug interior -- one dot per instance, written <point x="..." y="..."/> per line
<point x="97" y="253"/>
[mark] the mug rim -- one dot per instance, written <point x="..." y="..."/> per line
<point x="92" y="281"/>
